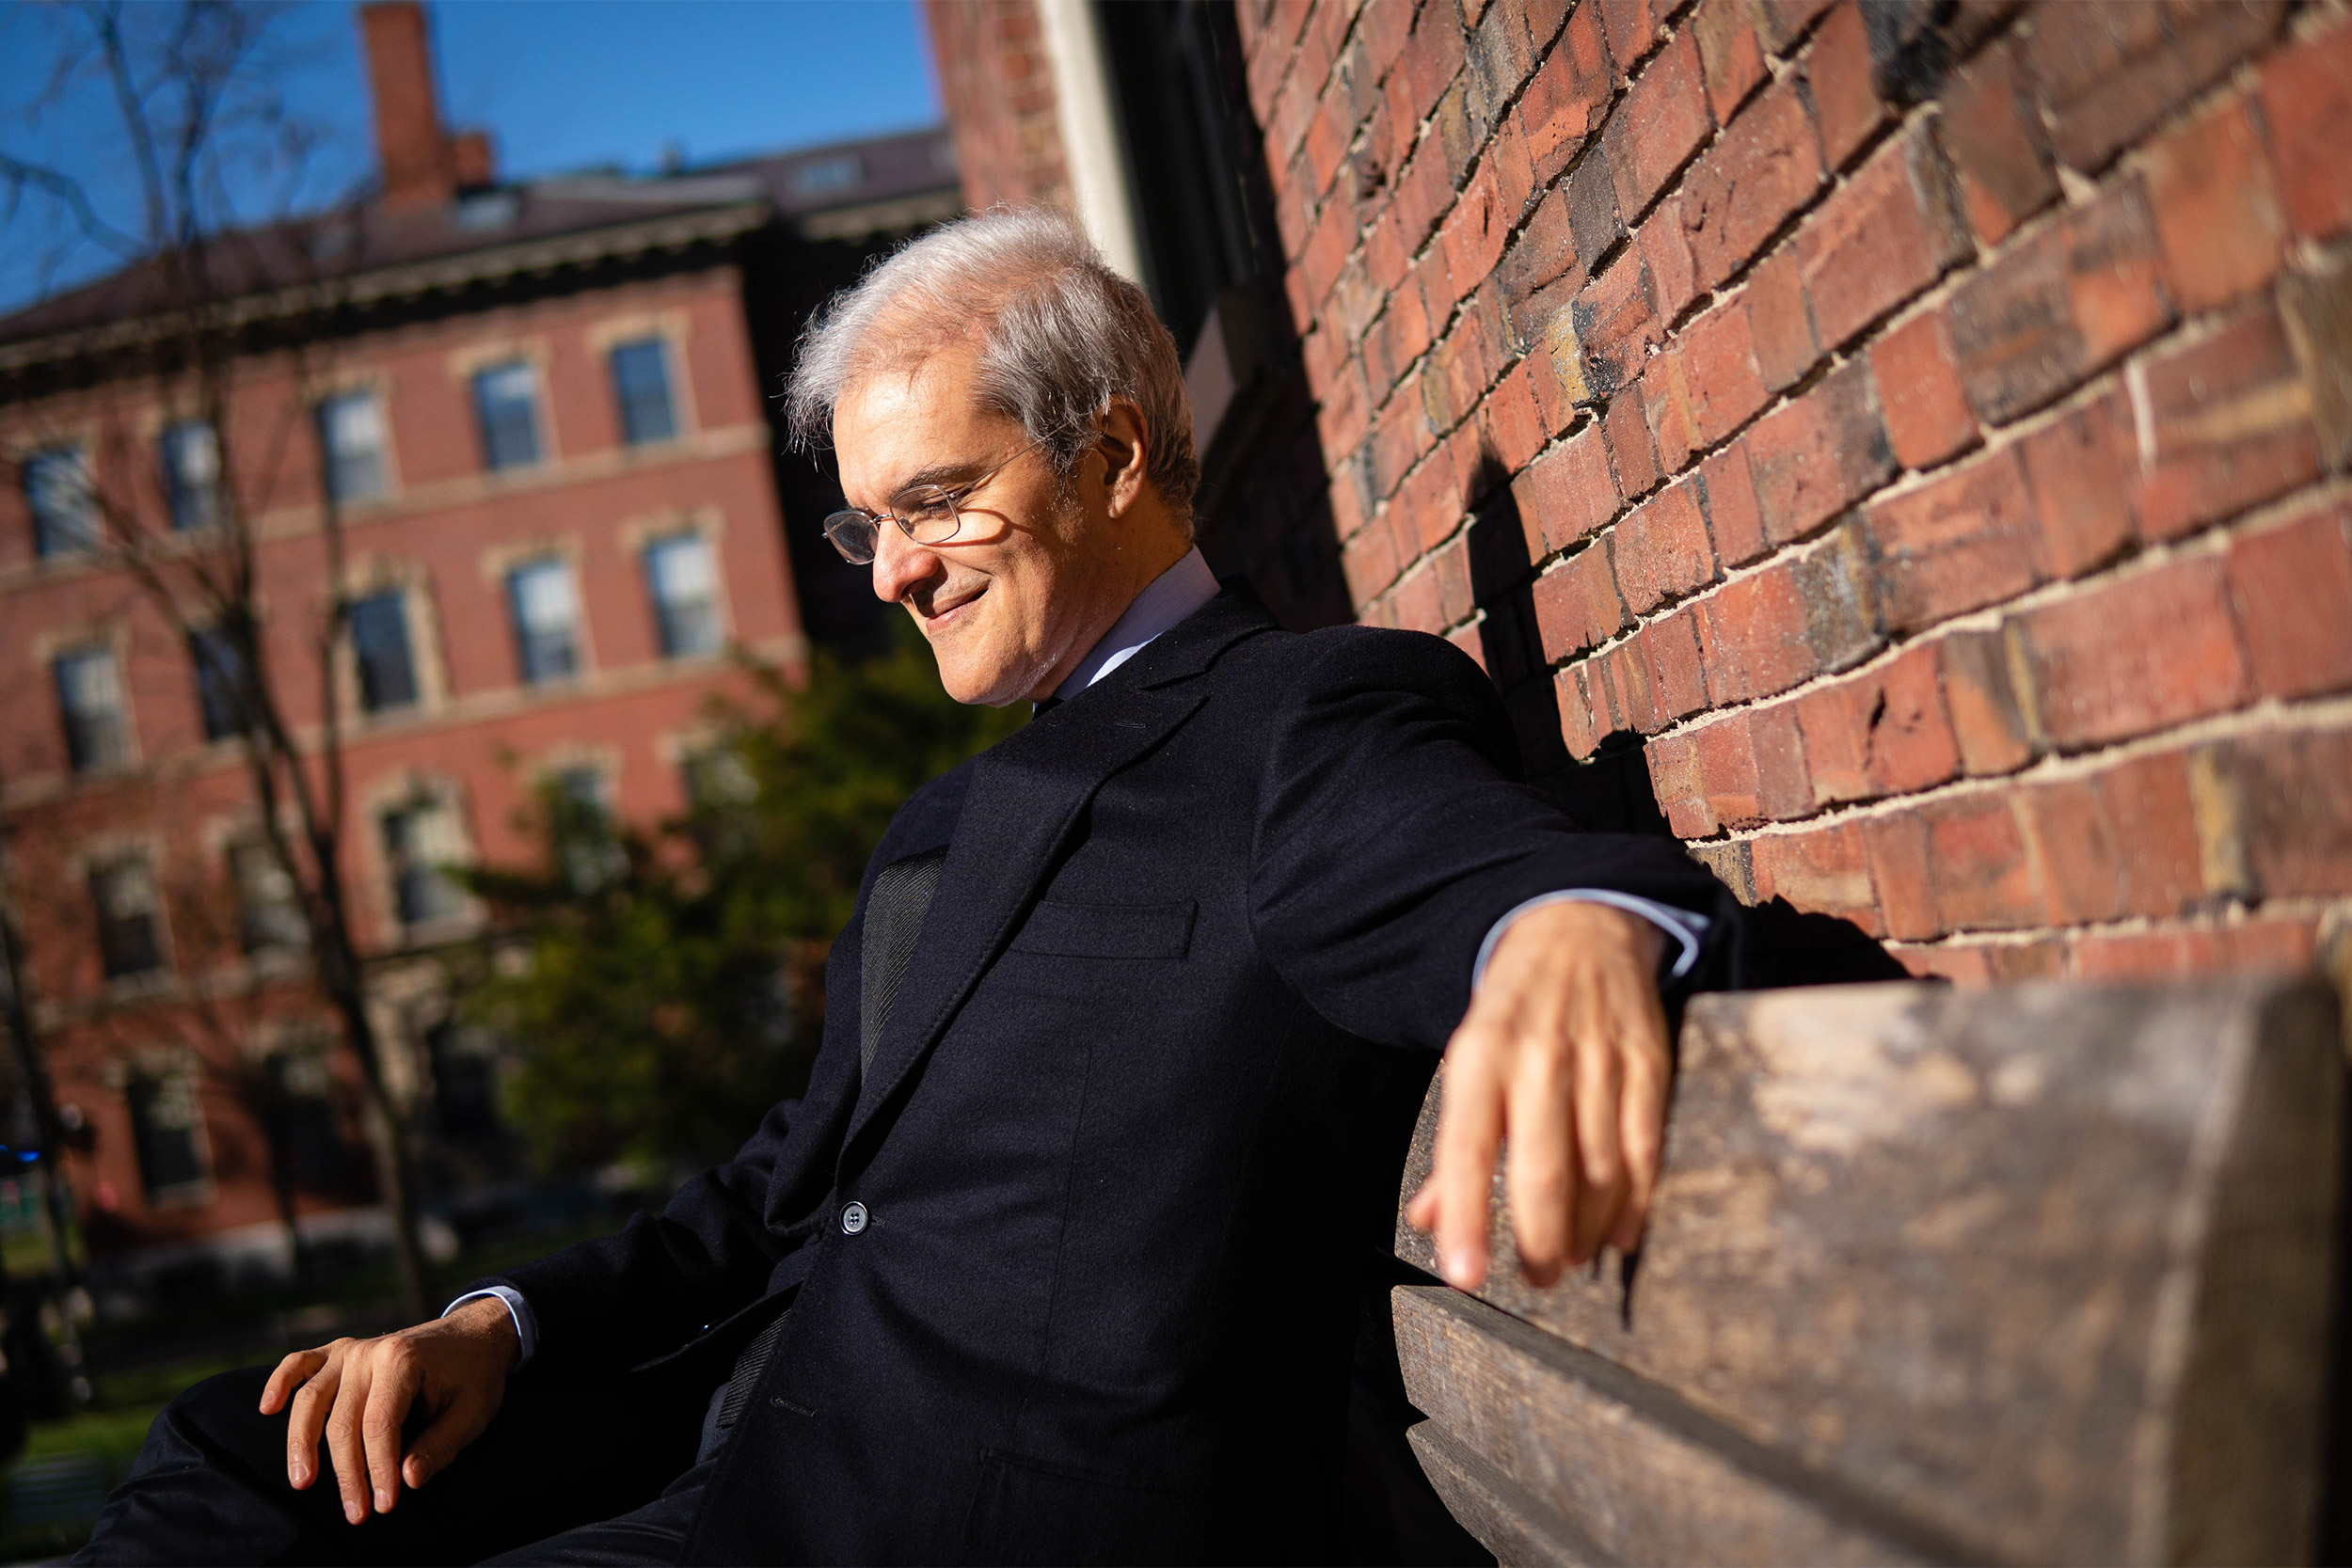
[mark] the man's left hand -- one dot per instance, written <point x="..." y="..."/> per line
<point x="1562" y="1054"/>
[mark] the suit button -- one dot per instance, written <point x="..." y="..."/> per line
<point x="853" y="1218"/>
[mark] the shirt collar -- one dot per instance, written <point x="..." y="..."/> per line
<point x="1170" y="596"/>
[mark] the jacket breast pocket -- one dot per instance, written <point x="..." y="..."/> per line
<point x="1107" y="930"/>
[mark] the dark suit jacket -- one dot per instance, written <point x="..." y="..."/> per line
<point x="1132" y="1130"/>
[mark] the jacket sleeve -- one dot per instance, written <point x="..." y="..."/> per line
<point x="716" y="1246"/>
<point x="1393" y="832"/>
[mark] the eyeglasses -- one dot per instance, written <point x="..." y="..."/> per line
<point x="926" y="514"/>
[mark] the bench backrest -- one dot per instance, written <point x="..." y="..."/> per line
<point x="2039" y="1274"/>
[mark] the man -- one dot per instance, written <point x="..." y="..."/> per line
<point x="1058" y="1258"/>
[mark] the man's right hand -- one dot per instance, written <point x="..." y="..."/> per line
<point x="360" y="1392"/>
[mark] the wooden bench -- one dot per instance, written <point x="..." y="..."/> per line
<point x="2036" y="1275"/>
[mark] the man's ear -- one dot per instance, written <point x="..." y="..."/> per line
<point x="1125" y="443"/>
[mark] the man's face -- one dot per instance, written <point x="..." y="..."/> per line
<point x="1021" y="591"/>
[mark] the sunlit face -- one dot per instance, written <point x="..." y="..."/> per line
<point x="1030" y="580"/>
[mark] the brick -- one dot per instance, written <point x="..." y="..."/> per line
<point x="1784" y="783"/>
<point x="1718" y="354"/>
<point x="2278" y="945"/>
<point x="1451" y="130"/>
<point x="2307" y="102"/>
<point x="2143" y="652"/>
<point x="1626" y="675"/>
<point x="1568" y="492"/>
<point x="1431" y="57"/>
<point x="2317" y="309"/>
<point x="1963" y="540"/>
<point x="1662" y="549"/>
<point x="1673" y="761"/>
<point x="2217" y="213"/>
<point x="1423" y="189"/>
<point x="2223" y="425"/>
<point x="1727" y="772"/>
<point x="1452" y="567"/>
<point x="1429" y="502"/>
<point x="2108" y="70"/>
<point x="1927" y="414"/>
<point x="1594" y="221"/>
<point x="1368" y="562"/>
<point x="1577" y="605"/>
<point x="2291" y="587"/>
<point x="1666" y="252"/>
<point x="1780" y="320"/>
<point x="1559" y="411"/>
<point x="1885" y="235"/>
<point x="1784" y="22"/>
<point x="1543" y="252"/>
<point x="1841" y="617"/>
<point x="2137" y="852"/>
<point x="1836" y="71"/>
<point x="1579" y="731"/>
<point x="1498" y="55"/>
<point x="1752" y="636"/>
<point x="1823" y="872"/>
<point x="1665" y="399"/>
<point x="1474" y="232"/>
<point x="1630" y="452"/>
<point x="2292" y="801"/>
<point x="1989" y="727"/>
<point x="1762" y="168"/>
<point x="1999" y="154"/>
<point x="1564" y="101"/>
<point x="1818" y="455"/>
<point x="1515" y="426"/>
<point x="1612" y="329"/>
<point x="1982" y="870"/>
<point x="1416" y="602"/>
<point x="1398" y="431"/>
<point x="2062" y="307"/>
<point x="1730" y="59"/>
<point x="1662" y="120"/>
<point x="1878" y="734"/>
<point x="1631" y="28"/>
<point x="1727" y="498"/>
<point x="1677" y="680"/>
<point x="2074" y="471"/>
<point x="1898" y="865"/>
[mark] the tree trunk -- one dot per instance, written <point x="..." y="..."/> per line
<point x="340" y="977"/>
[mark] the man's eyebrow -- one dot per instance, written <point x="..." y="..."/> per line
<point x="941" y="474"/>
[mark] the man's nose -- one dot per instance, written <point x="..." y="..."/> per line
<point x="899" y="563"/>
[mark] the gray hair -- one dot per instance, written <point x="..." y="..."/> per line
<point x="1060" y="334"/>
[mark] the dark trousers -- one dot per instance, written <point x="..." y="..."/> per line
<point x="601" y="1476"/>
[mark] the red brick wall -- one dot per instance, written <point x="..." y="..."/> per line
<point x="1925" y="443"/>
<point x="998" y="87"/>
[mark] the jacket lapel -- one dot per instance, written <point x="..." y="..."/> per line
<point x="1026" y="795"/>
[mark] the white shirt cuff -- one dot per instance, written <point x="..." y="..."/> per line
<point x="1688" y="929"/>
<point x="526" y="1322"/>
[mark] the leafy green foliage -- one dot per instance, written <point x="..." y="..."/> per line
<point x="663" y="988"/>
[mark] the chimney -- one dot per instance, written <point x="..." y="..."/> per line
<point x="423" y="165"/>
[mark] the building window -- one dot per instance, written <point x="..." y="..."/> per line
<point x="191" y="456"/>
<point x="64" y="504"/>
<point x="219" y="683"/>
<point x="465" y="1082"/>
<point x="547" y="620"/>
<point x="90" y="700"/>
<point x="581" y="817"/>
<point x="130" y="935"/>
<point x="420" y="841"/>
<point x="351" y="436"/>
<point x="269" y="910"/>
<point x="165" y="1125"/>
<point x="379" y="645"/>
<point x="304" y="1139"/>
<point x="685" y="595"/>
<point x="640" y="384"/>
<point x="505" y="404"/>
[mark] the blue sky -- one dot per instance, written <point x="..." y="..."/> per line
<point x="559" y="84"/>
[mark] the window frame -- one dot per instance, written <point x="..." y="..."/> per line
<point x="49" y="536"/>
<point x="80" y="759"/>
<point x="368" y="703"/>
<point x="401" y="863"/>
<point x="574" y="651"/>
<point x="665" y="641"/>
<point x="98" y="876"/>
<point x="179" y="495"/>
<point x="658" y="344"/>
<point x="322" y="414"/>
<point x="478" y="382"/>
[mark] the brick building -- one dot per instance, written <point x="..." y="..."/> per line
<point x="537" y="411"/>
<point x="1897" y="449"/>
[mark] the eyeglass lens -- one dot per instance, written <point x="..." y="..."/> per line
<point x="929" y="519"/>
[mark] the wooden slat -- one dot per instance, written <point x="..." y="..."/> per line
<point x="2042" y="1271"/>
<point x="1490" y="1505"/>
<point x="1640" y="1474"/>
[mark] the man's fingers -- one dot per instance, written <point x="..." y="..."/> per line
<point x="389" y="1394"/>
<point x="444" y="1438"/>
<point x="1540" y="1164"/>
<point x="1469" y="1132"/>
<point x="306" y="1415"/>
<point x="345" y="1448"/>
<point x="1641" y="1126"/>
<point x="291" y="1374"/>
<point x="1599" y="1088"/>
